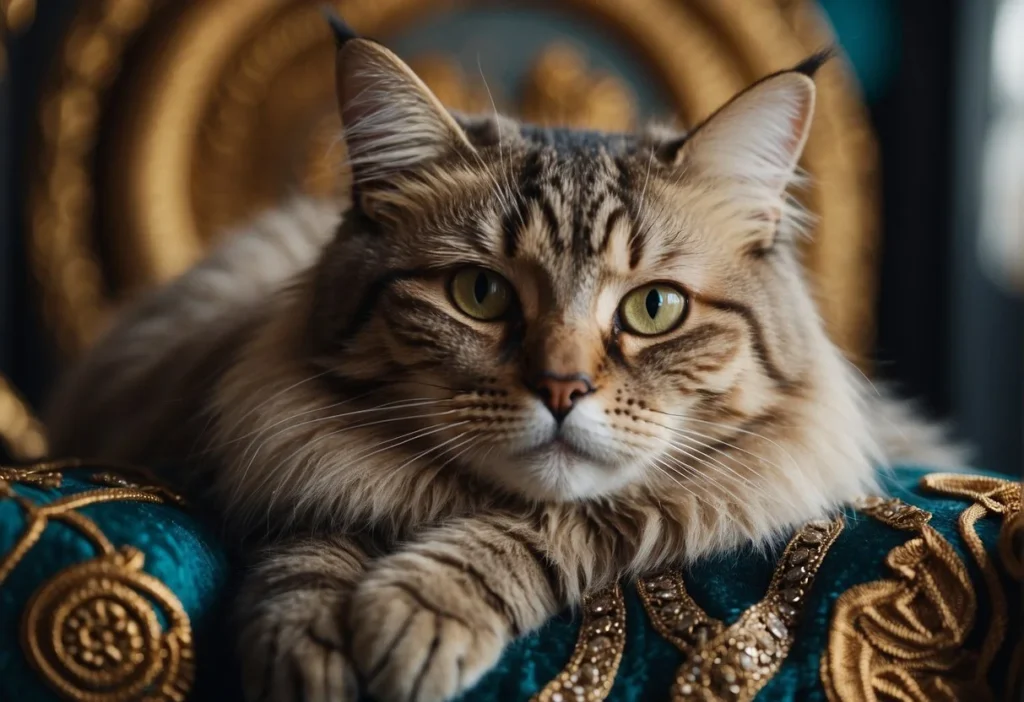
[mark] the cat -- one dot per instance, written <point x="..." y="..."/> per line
<point x="519" y="363"/>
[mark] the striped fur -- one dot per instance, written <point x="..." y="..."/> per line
<point x="313" y="383"/>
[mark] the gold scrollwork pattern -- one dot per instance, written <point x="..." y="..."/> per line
<point x="902" y="638"/>
<point x="92" y="631"/>
<point x="1003" y="498"/>
<point x="590" y="673"/>
<point x="732" y="663"/>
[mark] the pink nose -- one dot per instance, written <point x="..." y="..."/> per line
<point x="560" y="392"/>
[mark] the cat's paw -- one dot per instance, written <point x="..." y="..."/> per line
<point x="293" y="651"/>
<point x="422" y="637"/>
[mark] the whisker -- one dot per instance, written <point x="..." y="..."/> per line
<point x="690" y="433"/>
<point x="708" y="478"/>
<point x="664" y="469"/>
<point x="435" y="448"/>
<point x="395" y="404"/>
<point x="276" y="395"/>
<point x="383" y="445"/>
<point x="340" y="430"/>
<point x="737" y="430"/>
<point x="460" y="453"/>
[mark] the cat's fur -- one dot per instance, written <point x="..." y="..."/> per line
<point x="313" y="381"/>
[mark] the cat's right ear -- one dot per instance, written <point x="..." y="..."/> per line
<point x="392" y="122"/>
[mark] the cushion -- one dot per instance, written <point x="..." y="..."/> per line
<point x="109" y="590"/>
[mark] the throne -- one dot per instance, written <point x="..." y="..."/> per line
<point x="162" y="124"/>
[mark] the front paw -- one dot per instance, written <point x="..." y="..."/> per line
<point x="292" y="650"/>
<point x="422" y="637"/>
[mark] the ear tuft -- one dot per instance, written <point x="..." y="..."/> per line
<point x="810" y="65"/>
<point x="392" y="122"/>
<point x="342" y="32"/>
<point x="757" y="137"/>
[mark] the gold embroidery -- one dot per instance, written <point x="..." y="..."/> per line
<point x="894" y="513"/>
<point x="1011" y="545"/>
<point x="733" y="663"/>
<point x="91" y="630"/>
<point x="991" y="496"/>
<point x="591" y="670"/>
<point x="902" y="638"/>
<point x="93" y="634"/>
<point x="590" y="673"/>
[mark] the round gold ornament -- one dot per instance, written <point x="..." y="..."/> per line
<point x="93" y="633"/>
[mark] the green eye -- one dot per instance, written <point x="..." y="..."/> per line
<point x="480" y="293"/>
<point x="652" y="309"/>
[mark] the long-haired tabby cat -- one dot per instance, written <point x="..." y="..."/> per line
<point x="522" y="363"/>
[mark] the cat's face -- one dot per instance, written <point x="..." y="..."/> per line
<point x="566" y="314"/>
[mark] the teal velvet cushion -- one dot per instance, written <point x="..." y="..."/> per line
<point x="147" y="592"/>
<point x="106" y="586"/>
<point x="727" y="585"/>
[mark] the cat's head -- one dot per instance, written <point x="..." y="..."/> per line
<point x="566" y="314"/>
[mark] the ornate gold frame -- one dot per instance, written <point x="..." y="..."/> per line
<point x="151" y="182"/>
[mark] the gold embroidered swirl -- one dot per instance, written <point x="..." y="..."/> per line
<point x="92" y="630"/>
<point x="732" y="663"/>
<point x="590" y="673"/>
<point x="902" y="638"/>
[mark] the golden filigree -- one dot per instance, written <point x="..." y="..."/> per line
<point x="732" y="663"/>
<point x="20" y="432"/>
<point x="590" y="673"/>
<point x="91" y="630"/>
<point x="45" y="479"/>
<point x="991" y="496"/>
<point x="1011" y="545"/>
<point x="93" y="634"/>
<point x="902" y="638"/>
<point x="699" y="53"/>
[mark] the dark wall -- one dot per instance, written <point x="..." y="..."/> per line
<point x="26" y="356"/>
<point x="914" y="127"/>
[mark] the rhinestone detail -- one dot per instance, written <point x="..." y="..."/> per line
<point x="731" y="664"/>
<point x="589" y="675"/>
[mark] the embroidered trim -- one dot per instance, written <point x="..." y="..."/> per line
<point x="991" y="496"/>
<point x="590" y="673"/>
<point x="733" y="663"/>
<point x="902" y="637"/>
<point x="93" y="630"/>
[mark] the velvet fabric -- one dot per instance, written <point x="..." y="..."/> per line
<point x="726" y="585"/>
<point x="188" y="560"/>
<point x="178" y="551"/>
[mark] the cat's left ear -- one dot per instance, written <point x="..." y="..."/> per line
<point x="392" y="121"/>
<point x="756" y="139"/>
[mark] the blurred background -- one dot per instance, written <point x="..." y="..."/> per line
<point x="136" y="132"/>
